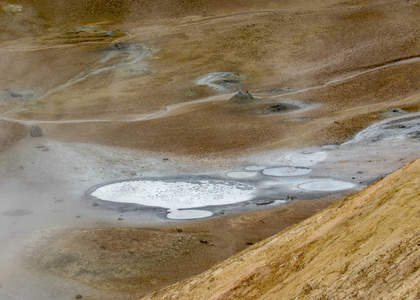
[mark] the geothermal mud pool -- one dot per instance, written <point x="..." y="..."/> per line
<point x="175" y="195"/>
<point x="294" y="173"/>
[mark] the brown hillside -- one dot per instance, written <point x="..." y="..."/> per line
<point x="364" y="247"/>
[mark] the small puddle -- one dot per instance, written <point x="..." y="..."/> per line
<point x="326" y="185"/>
<point x="188" y="214"/>
<point x="286" y="171"/>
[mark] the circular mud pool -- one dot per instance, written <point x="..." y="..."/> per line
<point x="286" y="171"/>
<point x="326" y="185"/>
<point x="175" y="195"/>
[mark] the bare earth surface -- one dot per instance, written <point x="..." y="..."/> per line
<point x="126" y="90"/>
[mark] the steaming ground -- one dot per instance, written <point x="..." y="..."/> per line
<point x="145" y="98"/>
<point x="39" y="199"/>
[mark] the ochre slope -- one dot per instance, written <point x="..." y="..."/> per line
<point x="366" y="246"/>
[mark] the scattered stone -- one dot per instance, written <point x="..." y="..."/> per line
<point x="203" y="241"/>
<point x="278" y="107"/>
<point x="78" y="296"/>
<point x="211" y="244"/>
<point x="250" y="243"/>
<point x="166" y="159"/>
<point x="21" y="167"/>
<point x="46" y="149"/>
<point x="395" y="110"/>
<point x="21" y="94"/>
<point x="179" y="230"/>
<point x="36" y="131"/>
<point x="59" y="201"/>
<point x="78" y="217"/>
<point x="102" y="247"/>
<point x="242" y="98"/>
<point x="120" y="219"/>
<point x="94" y="204"/>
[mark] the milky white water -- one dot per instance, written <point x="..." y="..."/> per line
<point x="286" y="171"/>
<point x="392" y="128"/>
<point x="188" y="214"/>
<point x="175" y="194"/>
<point x="326" y="185"/>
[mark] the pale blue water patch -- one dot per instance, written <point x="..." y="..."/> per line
<point x="188" y="214"/>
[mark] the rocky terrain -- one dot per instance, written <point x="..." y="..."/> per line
<point x="304" y="102"/>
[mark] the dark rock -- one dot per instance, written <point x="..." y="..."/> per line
<point x="242" y="98"/>
<point x="276" y="107"/>
<point x="36" y="131"/>
<point x="250" y="243"/>
<point x="78" y="296"/>
<point x="396" y="110"/>
<point x="94" y="204"/>
<point x="21" y="94"/>
<point x="179" y="230"/>
<point x="203" y="241"/>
